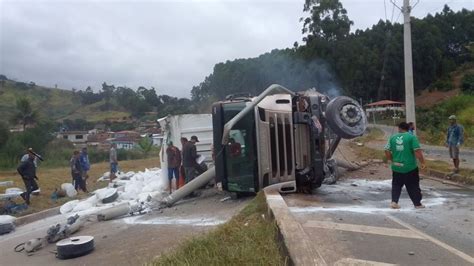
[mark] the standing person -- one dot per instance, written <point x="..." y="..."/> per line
<point x="113" y="161"/>
<point x="454" y="140"/>
<point x="189" y="159"/>
<point x="85" y="164"/>
<point x="403" y="149"/>
<point x="174" y="162"/>
<point x="76" y="172"/>
<point x="27" y="171"/>
<point x="411" y="128"/>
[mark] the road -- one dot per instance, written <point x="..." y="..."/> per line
<point x="131" y="240"/>
<point x="431" y="151"/>
<point x="351" y="222"/>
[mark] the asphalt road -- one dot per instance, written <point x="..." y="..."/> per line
<point x="351" y="222"/>
<point x="132" y="240"/>
<point x="434" y="152"/>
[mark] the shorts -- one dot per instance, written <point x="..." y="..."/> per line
<point x="454" y="152"/>
<point x="173" y="171"/>
<point x="113" y="168"/>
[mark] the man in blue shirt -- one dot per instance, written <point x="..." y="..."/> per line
<point x="85" y="164"/>
<point x="454" y="139"/>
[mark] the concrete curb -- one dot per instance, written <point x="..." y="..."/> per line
<point x="36" y="216"/>
<point x="295" y="239"/>
<point x="444" y="181"/>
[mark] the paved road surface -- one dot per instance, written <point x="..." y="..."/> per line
<point x="351" y="221"/>
<point x="127" y="241"/>
<point x="431" y="151"/>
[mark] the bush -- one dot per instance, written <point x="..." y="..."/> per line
<point x="467" y="84"/>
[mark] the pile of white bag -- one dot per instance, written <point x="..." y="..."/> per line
<point x="131" y="187"/>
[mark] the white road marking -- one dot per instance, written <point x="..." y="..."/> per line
<point x="356" y="262"/>
<point x="434" y="240"/>
<point x="363" y="229"/>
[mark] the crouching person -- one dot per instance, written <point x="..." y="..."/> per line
<point x="76" y="172"/>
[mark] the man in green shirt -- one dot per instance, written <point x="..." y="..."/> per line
<point x="403" y="149"/>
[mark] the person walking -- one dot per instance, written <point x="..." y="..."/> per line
<point x="403" y="149"/>
<point x="189" y="158"/>
<point x="113" y="161"/>
<point x="174" y="162"/>
<point x="26" y="156"/>
<point x="76" y="172"/>
<point x="85" y="164"/>
<point x="454" y="140"/>
<point x="27" y="171"/>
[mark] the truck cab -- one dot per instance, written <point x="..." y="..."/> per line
<point x="284" y="139"/>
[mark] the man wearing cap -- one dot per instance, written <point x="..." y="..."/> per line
<point x="189" y="158"/>
<point x="454" y="139"/>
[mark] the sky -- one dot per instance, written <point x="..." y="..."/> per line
<point x="169" y="45"/>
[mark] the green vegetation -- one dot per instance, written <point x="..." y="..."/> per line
<point x="249" y="238"/>
<point x="365" y="64"/>
<point x="434" y="121"/>
<point x="365" y="153"/>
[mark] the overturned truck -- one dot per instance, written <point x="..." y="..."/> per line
<point x="278" y="137"/>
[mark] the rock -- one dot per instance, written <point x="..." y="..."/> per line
<point x="411" y="253"/>
<point x="354" y="184"/>
<point x="466" y="220"/>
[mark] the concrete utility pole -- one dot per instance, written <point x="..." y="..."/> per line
<point x="409" y="91"/>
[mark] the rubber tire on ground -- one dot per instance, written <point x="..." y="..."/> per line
<point x="336" y="123"/>
<point x="6" y="228"/>
<point x="110" y="198"/>
<point x="74" y="247"/>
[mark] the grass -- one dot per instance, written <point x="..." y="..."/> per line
<point x="365" y="153"/>
<point x="249" y="238"/>
<point x="465" y="175"/>
<point x="51" y="178"/>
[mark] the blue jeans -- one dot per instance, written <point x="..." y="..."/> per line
<point x="113" y="167"/>
<point x="172" y="171"/>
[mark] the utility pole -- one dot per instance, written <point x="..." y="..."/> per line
<point x="409" y="90"/>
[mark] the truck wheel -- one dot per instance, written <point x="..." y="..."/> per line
<point x="346" y="117"/>
<point x="74" y="247"/>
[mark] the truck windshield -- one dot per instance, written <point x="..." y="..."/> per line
<point x="240" y="152"/>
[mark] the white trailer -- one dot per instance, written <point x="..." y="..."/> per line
<point x="177" y="126"/>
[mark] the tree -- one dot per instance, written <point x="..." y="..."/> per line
<point x="146" y="145"/>
<point x="327" y="20"/>
<point x="25" y="115"/>
<point x="107" y="92"/>
<point x="4" y="134"/>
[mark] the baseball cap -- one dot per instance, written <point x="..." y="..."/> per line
<point x="194" y="138"/>
<point x="452" y="117"/>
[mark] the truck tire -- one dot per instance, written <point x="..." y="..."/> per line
<point x="6" y="228"/>
<point x="74" y="247"/>
<point x="346" y="117"/>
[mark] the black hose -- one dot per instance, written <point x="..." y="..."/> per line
<point x="22" y="245"/>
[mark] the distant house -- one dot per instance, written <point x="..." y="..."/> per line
<point x="385" y="105"/>
<point x="125" y="139"/>
<point x="76" y="137"/>
<point x="101" y="140"/>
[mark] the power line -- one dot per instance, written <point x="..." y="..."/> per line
<point x="385" y="8"/>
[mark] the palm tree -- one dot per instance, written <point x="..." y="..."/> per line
<point x="24" y="113"/>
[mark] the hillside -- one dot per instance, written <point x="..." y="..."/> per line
<point x="55" y="104"/>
